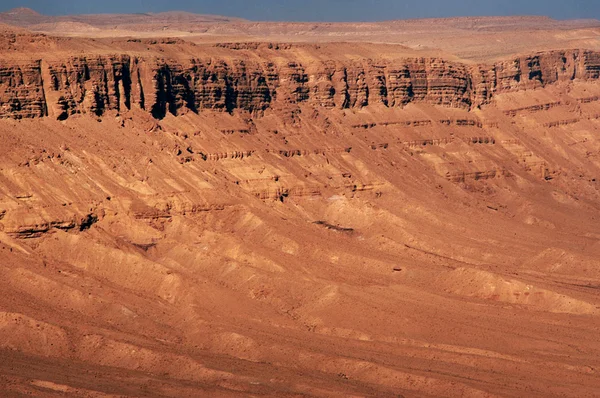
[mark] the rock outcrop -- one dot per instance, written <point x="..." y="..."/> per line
<point x="21" y="91"/>
<point x="94" y="84"/>
<point x="99" y="84"/>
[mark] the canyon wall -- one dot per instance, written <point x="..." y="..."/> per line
<point x="97" y="84"/>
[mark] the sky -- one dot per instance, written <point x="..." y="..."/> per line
<point x="321" y="10"/>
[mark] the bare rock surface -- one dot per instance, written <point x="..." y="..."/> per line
<point x="182" y="216"/>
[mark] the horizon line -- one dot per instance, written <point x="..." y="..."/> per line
<point x="150" y="13"/>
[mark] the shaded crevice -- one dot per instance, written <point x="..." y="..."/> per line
<point x="88" y="221"/>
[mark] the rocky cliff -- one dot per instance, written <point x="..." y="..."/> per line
<point x="21" y="91"/>
<point x="98" y="84"/>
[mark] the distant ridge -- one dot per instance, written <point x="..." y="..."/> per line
<point x="29" y="18"/>
<point x="22" y="11"/>
<point x="26" y="17"/>
<point x="22" y="17"/>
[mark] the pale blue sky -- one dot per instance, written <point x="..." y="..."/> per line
<point x="322" y="10"/>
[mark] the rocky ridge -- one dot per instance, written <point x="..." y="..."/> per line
<point x="101" y="83"/>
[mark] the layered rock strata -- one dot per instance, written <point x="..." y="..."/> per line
<point x="99" y="84"/>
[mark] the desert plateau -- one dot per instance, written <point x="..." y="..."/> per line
<point x="207" y="206"/>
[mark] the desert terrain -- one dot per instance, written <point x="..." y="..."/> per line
<point x="197" y="205"/>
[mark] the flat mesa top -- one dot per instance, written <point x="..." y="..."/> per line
<point x="468" y="38"/>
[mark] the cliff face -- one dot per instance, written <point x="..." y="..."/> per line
<point x="206" y="85"/>
<point x="92" y="85"/>
<point x="116" y="83"/>
<point x="21" y="91"/>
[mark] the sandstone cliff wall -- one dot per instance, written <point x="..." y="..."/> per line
<point x="98" y="84"/>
